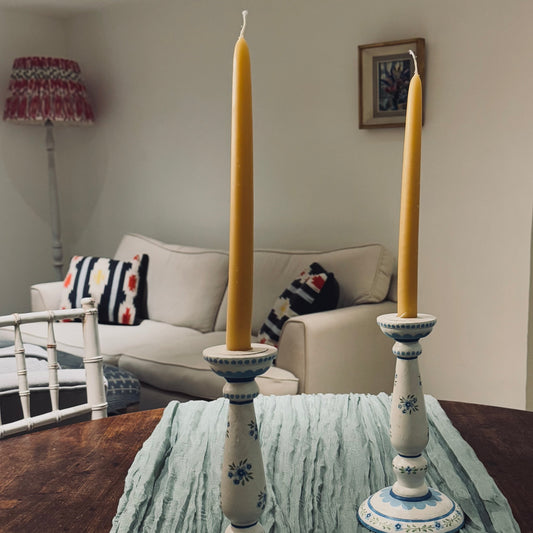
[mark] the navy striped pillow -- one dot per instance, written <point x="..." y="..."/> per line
<point x="312" y="291"/>
<point x="119" y="287"/>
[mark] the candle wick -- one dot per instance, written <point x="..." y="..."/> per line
<point x="244" y="13"/>
<point x="414" y="59"/>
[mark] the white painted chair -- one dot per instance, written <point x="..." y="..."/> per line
<point x="96" y="403"/>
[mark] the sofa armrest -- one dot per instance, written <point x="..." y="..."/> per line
<point x="46" y="296"/>
<point x="339" y="351"/>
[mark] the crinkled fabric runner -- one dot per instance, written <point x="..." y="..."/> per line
<point x="323" y="454"/>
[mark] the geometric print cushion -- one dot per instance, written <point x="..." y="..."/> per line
<point x="312" y="291"/>
<point x="118" y="287"/>
<point x="123" y="389"/>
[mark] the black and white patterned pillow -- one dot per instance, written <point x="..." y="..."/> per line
<point x="119" y="287"/>
<point x="312" y="291"/>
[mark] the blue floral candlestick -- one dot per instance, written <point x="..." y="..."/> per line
<point x="409" y="505"/>
<point x="243" y="486"/>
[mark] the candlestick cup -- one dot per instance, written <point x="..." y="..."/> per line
<point x="409" y="504"/>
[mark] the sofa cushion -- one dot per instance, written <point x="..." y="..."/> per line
<point x="185" y="284"/>
<point x="118" y="287"/>
<point x="165" y="356"/>
<point x="181" y="368"/>
<point x="314" y="290"/>
<point x="114" y="341"/>
<point x="363" y="274"/>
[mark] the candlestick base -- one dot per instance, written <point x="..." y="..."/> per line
<point x="384" y="512"/>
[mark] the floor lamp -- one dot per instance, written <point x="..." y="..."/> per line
<point x="48" y="91"/>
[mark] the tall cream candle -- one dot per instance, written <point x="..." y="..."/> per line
<point x="240" y="280"/>
<point x="410" y="201"/>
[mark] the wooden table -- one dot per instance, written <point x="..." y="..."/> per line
<point x="71" y="478"/>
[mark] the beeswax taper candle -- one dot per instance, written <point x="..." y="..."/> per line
<point x="410" y="201"/>
<point x="240" y="280"/>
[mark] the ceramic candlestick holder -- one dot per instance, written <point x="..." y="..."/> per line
<point x="409" y="505"/>
<point x="242" y="486"/>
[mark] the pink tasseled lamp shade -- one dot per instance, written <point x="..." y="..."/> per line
<point x="45" y="89"/>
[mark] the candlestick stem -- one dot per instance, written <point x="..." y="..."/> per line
<point x="242" y="486"/>
<point x="409" y="502"/>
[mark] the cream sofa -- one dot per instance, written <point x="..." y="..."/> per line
<point x="333" y="351"/>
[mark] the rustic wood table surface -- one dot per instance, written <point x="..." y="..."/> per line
<point x="71" y="478"/>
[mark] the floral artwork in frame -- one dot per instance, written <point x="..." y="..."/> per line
<point x="385" y="70"/>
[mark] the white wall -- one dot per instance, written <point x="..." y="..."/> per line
<point x="25" y="238"/>
<point x="157" y="162"/>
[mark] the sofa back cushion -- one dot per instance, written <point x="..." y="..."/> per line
<point x="363" y="273"/>
<point x="185" y="285"/>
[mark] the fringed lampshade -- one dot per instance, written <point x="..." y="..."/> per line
<point x="45" y="89"/>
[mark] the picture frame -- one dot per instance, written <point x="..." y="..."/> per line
<point x="385" y="70"/>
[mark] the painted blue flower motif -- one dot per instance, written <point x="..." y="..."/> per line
<point x="261" y="500"/>
<point x="241" y="473"/>
<point x="438" y="525"/>
<point x="253" y="429"/>
<point x="411" y="469"/>
<point x="408" y="404"/>
<point x="397" y="527"/>
<point x="388" y="497"/>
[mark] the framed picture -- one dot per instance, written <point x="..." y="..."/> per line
<point x="385" y="70"/>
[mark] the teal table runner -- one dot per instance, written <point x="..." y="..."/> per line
<point x="323" y="454"/>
